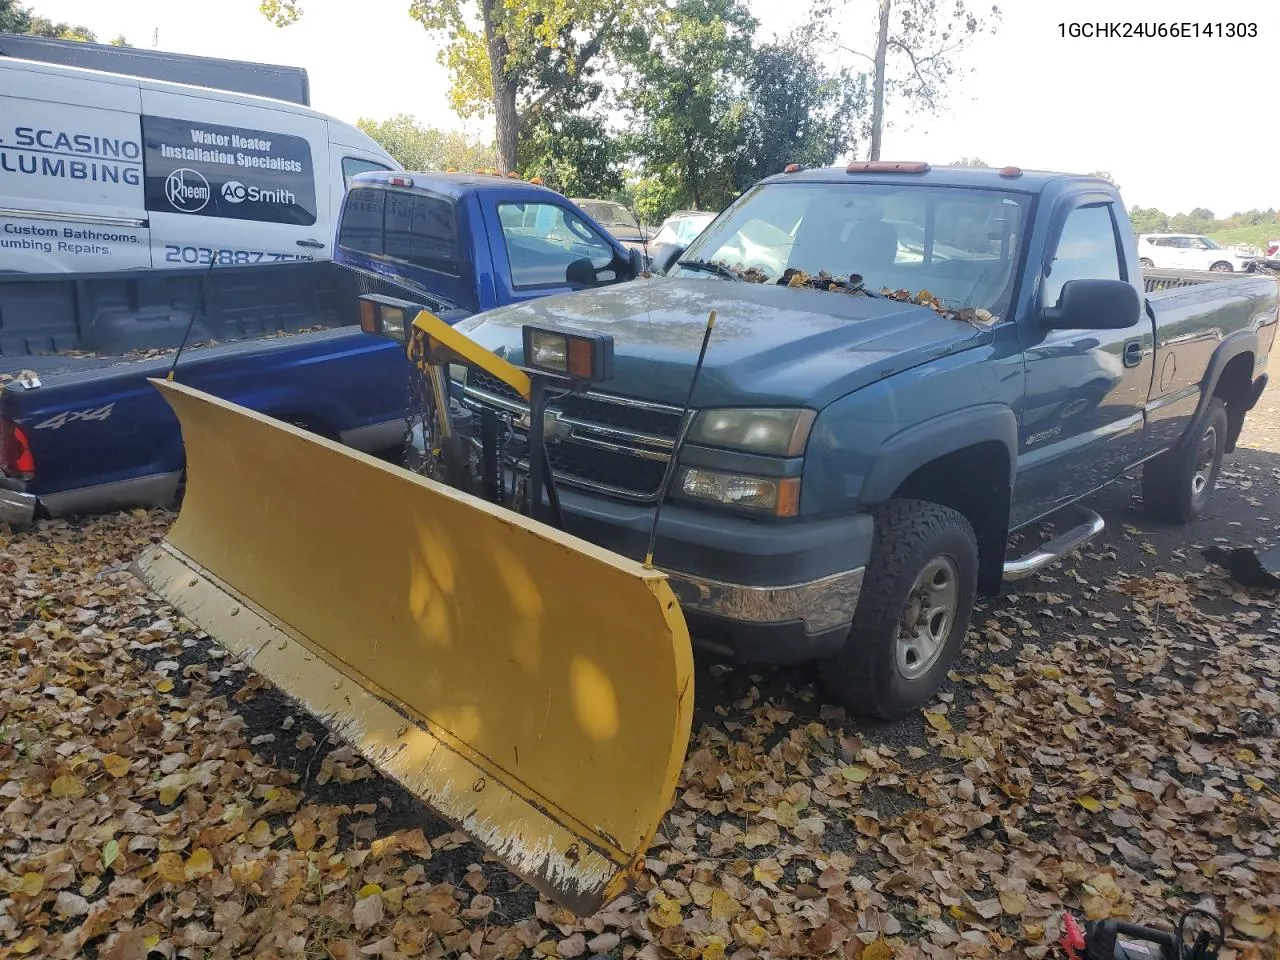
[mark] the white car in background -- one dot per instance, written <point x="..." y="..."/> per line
<point x="1190" y="251"/>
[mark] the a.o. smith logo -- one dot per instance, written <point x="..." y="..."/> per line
<point x="186" y="190"/>
<point x="233" y="191"/>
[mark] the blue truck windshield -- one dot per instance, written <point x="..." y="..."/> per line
<point x="960" y="245"/>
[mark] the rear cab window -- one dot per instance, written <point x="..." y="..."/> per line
<point x="416" y="228"/>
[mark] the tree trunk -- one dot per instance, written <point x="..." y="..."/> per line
<point x="877" y="93"/>
<point x="507" y="125"/>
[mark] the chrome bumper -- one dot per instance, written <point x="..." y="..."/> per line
<point x="17" y="509"/>
<point x="820" y="605"/>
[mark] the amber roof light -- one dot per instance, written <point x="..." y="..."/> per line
<point x="1011" y="172"/>
<point x="887" y="166"/>
<point x="793" y="168"/>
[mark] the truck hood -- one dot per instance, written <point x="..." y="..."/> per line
<point x="771" y="345"/>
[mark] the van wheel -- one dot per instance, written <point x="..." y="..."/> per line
<point x="911" y="620"/>
<point x="1177" y="485"/>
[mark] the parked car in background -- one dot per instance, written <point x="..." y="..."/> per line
<point x="1190" y="251"/>
<point x="683" y="226"/>
<point x="618" y="220"/>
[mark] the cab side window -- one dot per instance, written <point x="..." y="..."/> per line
<point x="1087" y="250"/>
<point x="543" y="239"/>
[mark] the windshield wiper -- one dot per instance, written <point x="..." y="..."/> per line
<point x="718" y="269"/>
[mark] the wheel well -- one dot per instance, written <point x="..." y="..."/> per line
<point x="973" y="481"/>
<point x="1234" y="385"/>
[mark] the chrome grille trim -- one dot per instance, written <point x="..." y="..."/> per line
<point x="586" y="434"/>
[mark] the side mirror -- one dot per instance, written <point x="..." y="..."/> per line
<point x="664" y="256"/>
<point x="1094" y="305"/>
<point x="580" y="273"/>
<point x="636" y="259"/>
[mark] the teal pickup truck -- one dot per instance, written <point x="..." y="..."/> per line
<point x="909" y="365"/>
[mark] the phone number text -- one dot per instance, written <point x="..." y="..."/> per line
<point x="1184" y="29"/>
<point x="207" y="255"/>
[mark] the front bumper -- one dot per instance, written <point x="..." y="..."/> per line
<point x="17" y="509"/>
<point x="757" y="591"/>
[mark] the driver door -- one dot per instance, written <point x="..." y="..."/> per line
<point x="534" y="244"/>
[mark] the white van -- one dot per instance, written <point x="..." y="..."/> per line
<point x="102" y="172"/>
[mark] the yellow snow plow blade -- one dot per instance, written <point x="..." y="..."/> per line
<point x="532" y="688"/>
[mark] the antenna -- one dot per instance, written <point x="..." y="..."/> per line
<point x="679" y="444"/>
<point x="203" y="309"/>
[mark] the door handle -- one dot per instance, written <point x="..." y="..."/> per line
<point x="1132" y="353"/>
<point x="314" y="244"/>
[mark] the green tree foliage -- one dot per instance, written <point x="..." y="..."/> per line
<point x="711" y="113"/>
<point x="419" y="147"/>
<point x="688" y="113"/>
<point x="15" y="18"/>
<point x="797" y="110"/>
<point x="1148" y="220"/>
<point x="970" y="162"/>
<point x="510" y="58"/>
<point x="572" y="153"/>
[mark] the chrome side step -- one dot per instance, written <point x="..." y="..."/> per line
<point x="1091" y="525"/>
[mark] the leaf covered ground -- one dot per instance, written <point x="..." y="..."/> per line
<point x="1109" y="744"/>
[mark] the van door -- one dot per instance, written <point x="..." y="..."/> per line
<point x="233" y="182"/>
<point x="71" y="196"/>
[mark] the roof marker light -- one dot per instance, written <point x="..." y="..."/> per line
<point x="402" y="181"/>
<point x="887" y="166"/>
<point x="793" y="168"/>
<point x="1011" y="172"/>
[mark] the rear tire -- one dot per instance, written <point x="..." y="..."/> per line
<point x="1222" y="267"/>
<point x="1177" y="485"/>
<point x="911" y="620"/>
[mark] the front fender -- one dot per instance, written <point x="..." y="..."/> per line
<point x="905" y="452"/>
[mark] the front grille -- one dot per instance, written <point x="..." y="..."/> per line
<point x="599" y="442"/>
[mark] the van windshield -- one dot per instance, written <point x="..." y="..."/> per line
<point x="960" y="245"/>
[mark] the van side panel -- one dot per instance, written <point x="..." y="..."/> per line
<point x="232" y="182"/>
<point x="71" y="174"/>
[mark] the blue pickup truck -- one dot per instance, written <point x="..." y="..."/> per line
<point x="82" y="430"/>
<point x="909" y="366"/>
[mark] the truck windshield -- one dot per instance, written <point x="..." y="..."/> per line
<point x="960" y="245"/>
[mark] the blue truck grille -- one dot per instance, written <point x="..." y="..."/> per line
<point x="595" y="441"/>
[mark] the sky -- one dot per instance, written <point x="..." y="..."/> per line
<point x="1179" y="122"/>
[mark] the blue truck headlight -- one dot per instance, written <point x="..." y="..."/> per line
<point x="779" y="496"/>
<point x="773" y="431"/>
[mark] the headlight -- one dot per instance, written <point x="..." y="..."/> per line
<point x="779" y="496"/>
<point x="778" y="432"/>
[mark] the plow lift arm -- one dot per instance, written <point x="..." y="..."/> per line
<point x="532" y="688"/>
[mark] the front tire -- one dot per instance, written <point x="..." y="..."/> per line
<point x="1222" y="267"/>
<point x="911" y="620"/>
<point x="1146" y="264"/>
<point x="1177" y="485"/>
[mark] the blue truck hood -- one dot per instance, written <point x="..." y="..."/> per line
<point x="771" y="345"/>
